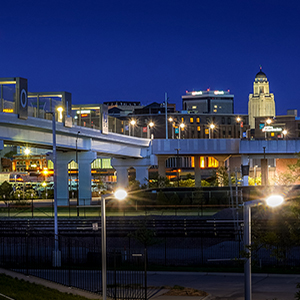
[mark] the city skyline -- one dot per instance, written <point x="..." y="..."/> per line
<point x="114" y="50"/>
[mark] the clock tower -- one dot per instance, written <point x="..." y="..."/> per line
<point x="261" y="102"/>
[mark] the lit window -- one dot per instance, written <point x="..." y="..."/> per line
<point x="215" y="110"/>
<point x="202" y="162"/>
<point x="212" y="162"/>
<point x="194" y="107"/>
<point x="182" y="120"/>
<point x="198" y="120"/>
<point x="191" y="120"/>
<point x="215" y="106"/>
<point x="198" y="128"/>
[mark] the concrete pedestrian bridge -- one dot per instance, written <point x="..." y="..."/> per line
<point x="127" y="151"/>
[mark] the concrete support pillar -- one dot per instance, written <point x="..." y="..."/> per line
<point x="264" y="171"/>
<point x="85" y="177"/>
<point x="197" y="171"/>
<point x="245" y="162"/>
<point x="122" y="176"/>
<point x="141" y="175"/>
<point x="140" y="165"/>
<point x="161" y="161"/>
<point x="62" y="159"/>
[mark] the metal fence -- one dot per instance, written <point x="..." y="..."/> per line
<point x="80" y="265"/>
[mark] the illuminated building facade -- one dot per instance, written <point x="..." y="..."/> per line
<point x="261" y="102"/>
<point x="208" y="102"/>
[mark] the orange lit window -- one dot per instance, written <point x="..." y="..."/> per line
<point x="191" y="120"/>
<point x="212" y="162"/>
<point x="182" y="120"/>
<point x="198" y="120"/>
<point x="202" y="162"/>
<point x="198" y="128"/>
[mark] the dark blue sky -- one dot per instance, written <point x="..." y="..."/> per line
<point x="138" y="50"/>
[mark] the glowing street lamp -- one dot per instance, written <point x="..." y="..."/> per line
<point x="27" y="151"/>
<point x="119" y="194"/>
<point x="239" y="120"/>
<point x="273" y="201"/>
<point x="149" y="127"/>
<point x="181" y="127"/>
<point x="268" y="123"/>
<point x="284" y="133"/>
<point x="132" y="123"/>
<point x="171" y="120"/>
<point x="211" y="130"/>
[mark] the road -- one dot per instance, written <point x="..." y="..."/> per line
<point x="223" y="286"/>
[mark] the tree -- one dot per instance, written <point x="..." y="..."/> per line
<point x="6" y="190"/>
<point x="161" y="198"/>
<point x="291" y="175"/>
<point x="158" y="182"/>
<point x="145" y="236"/>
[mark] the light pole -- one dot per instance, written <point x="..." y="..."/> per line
<point x="284" y="133"/>
<point x="268" y="122"/>
<point x="177" y="165"/>
<point x="239" y="121"/>
<point x="273" y="201"/>
<point x="56" y="254"/>
<point x="132" y="123"/>
<point x="120" y="194"/>
<point x="181" y="127"/>
<point x="77" y="179"/>
<point x="211" y="131"/>
<point x="149" y="126"/>
<point x="172" y="126"/>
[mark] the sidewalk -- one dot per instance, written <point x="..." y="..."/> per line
<point x="219" y="286"/>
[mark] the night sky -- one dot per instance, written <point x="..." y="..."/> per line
<point x="138" y="50"/>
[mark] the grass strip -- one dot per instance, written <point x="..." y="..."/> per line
<point x="24" y="290"/>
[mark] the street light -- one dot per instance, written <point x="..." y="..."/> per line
<point x="56" y="254"/>
<point x="273" y="201"/>
<point x="239" y="120"/>
<point x="181" y="127"/>
<point x="149" y="126"/>
<point x="211" y="130"/>
<point x="77" y="181"/>
<point x="132" y="123"/>
<point x="119" y="194"/>
<point x="284" y="133"/>
<point x="27" y="151"/>
<point x="171" y="120"/>
<point x="268" y="122"/>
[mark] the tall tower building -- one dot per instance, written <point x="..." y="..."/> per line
<point x="261" y="102"/>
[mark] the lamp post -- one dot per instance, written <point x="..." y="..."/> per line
<point x="181" y="127"/>
<point x="56" y="254"/>
<point x="273" y="201"/>
<point x="54" y="181"/>
<point x="268" y="122"/>
<point x="211" y="131"/>
<point x="77" y="178"/>
<point x="284" y="133"/>
<point x="177" y="165"/>
<point x="120" y="194"/>
<point x="149" y="126"/>
<point x="172" y="126"/>
<point x="132" y="123"/>
<point x="239" y="121"/>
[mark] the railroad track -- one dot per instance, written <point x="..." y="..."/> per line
<point x="121" y="226"/>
